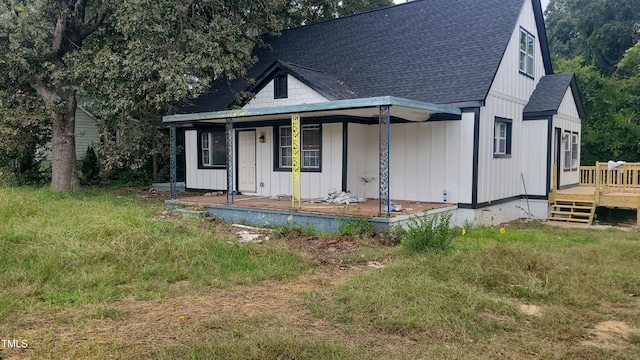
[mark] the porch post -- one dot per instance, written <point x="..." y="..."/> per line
<point x="384" y="121"/>
<point x="229" y="137"/>
<point x="173" y="163"/>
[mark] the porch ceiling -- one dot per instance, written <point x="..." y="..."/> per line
<point x="406" y="109"/>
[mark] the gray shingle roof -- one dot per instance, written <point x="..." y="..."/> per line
<point x="437" y="51"/>
<point x="548" y="95"/>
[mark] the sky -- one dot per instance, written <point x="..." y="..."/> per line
<point x="544" y="3"/>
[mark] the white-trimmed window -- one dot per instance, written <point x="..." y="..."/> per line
<point x="213" y="149"/>
<point x="310" y="154"/>
<point x="566" y="140"/>
<point x="574" y="151"/>
<point x="527" y="51"/>
<point x="502" y="138"/>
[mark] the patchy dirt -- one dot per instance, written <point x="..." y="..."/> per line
<point x="609" y="335"/>
<point x="530" y="309"/>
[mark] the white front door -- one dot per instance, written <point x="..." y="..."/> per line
<point x="247" y="161"/>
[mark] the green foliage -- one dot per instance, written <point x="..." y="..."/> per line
<point x="598" y="30"/>
<point x="428" y="233"/>
<point x="310" y="11"/>
<point x="90" y="166"/>
<point x="356" y="226"/>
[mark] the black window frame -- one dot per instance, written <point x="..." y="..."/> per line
<point x="276" y="149"/>
<point x="508" y="137"/>
<point x="219" y="131"/>
<point x="280" y="86"/>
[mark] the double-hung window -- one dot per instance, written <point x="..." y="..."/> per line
<point x="310" y="153"/>
<point x="502" y="138"/>
<point x="527" y="50"/>
<point x="566" y="139"/>
<point x="212" y="149"/>
<point x="574" y="151"/>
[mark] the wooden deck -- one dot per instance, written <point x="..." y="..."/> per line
<point x="617" y="188"/>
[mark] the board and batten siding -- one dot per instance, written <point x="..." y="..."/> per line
<point x="298" y="93"/>
<point x="269" y="182"/>
<point x="313" y="185"/>
<point x="425" y="160"/>
<point x="568" y="119"/>
<point x="501" y="178"/>
<point x="202" y="179"/>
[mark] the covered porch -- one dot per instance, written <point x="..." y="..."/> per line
<point x="616" y="187"/>
<point x="376" y="113"/>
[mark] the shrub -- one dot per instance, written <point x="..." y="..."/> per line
<point x="90" y="166"/>
<point x="428" y="233"/>
<point x="356" y="226"/>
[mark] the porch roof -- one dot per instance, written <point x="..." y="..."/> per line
<point x="406" y="109"/>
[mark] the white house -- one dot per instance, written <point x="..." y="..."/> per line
<point x="434" y="101"/>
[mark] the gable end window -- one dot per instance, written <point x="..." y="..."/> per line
<point x="280" y="87"/>
<point x="310" y="151"/>
<point x="527" y="51"/>
<point x="502" y="138"/>
<point x="212" y="149"/>
<point x="574" y="151"/>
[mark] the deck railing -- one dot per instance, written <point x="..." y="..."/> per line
<point x="623" y="178"/>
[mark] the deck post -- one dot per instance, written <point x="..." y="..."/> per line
<point x="554" y="180"/>
<point x="229" y="143"/>
<point x="173" y="163"/>
<point x="598" y="182"/>
<point x="384" y="121"/>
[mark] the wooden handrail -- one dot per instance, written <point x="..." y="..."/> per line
<point x="624" y="178"/>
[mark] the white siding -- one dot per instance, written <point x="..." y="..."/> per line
<point x="298" y="92"/>
<point x="500" y="178"/>
<point x="425" y="160"/>
<point x="205" y="179"/>
<point x="86" y="132"/>
<point x="534" y="156"/>
<point x="568" y="119"/>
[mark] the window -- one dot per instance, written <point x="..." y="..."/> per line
<point x="280" y="87"/>
<point x="213" y="149"/>
<point x="566" y="139"/>
<point x="309" y="152"/>
<point x="527" y="49"/>
<point x="502" y="138"/>
<point x="574" y="151"/>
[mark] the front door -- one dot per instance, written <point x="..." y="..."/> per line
<point x="247" y="161"/>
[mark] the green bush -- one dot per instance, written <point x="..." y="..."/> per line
<point x="90" y="166"/>
<point x="428" y="233"/>
<point x="358" y="226"/>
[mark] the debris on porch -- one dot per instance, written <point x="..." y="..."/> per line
<point x="342" y="197"/>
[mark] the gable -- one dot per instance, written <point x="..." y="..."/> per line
<point x="297" y="93"/>
<point x="568" y="106"/>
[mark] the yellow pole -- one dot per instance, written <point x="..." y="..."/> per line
<point x="295" y="160"/>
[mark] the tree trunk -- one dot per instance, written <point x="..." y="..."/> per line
<point x="64" y="168"/>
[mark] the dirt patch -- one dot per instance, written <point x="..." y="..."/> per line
<point x="530" y="309"/>
<point x="609" y="335"/>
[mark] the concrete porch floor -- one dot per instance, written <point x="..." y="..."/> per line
<point x="369" y="208"/>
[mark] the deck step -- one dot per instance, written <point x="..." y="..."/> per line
<point x="572" y="211"/>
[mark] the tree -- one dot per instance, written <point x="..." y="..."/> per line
<point x="132" y="55"/>
<point x="598" y="30"/>
<point x="303" y="12"/>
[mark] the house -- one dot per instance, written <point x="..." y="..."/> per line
<point x="86" y="134"/>
<point x="434" y="101"/>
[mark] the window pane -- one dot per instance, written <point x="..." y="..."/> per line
<point x="531" y="46"/>
<point x="523" y="58"/>
<point x="311" y="146"/>
<point x="523" y="40"/>
<point x="219" y="148"/>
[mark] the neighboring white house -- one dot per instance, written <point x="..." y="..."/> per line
<point x="477" y="117"/>
<point x="86" y="134"/>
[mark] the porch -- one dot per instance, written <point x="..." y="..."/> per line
<point x="600" y="185"/>
<point x="322" y="216"/>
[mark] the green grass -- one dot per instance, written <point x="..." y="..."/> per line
<point x="95" y="246"/>
<point x="470" y="298"/>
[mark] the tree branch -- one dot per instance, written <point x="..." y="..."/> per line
<point x="50" y="95"/>
<point x="92" y="25"/>
<point x="58" y="34"/>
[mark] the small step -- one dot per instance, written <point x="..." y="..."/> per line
<point x="190" y="213"/>
<point x="577" y="207"/>
<point x="570" y="213"/>
<point x="577" y="220"/>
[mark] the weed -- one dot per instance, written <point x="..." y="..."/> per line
<point x="428" y="233"/>
<point x="356" y="226"/>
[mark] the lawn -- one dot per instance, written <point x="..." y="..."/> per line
<point x="104" y="274"/>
